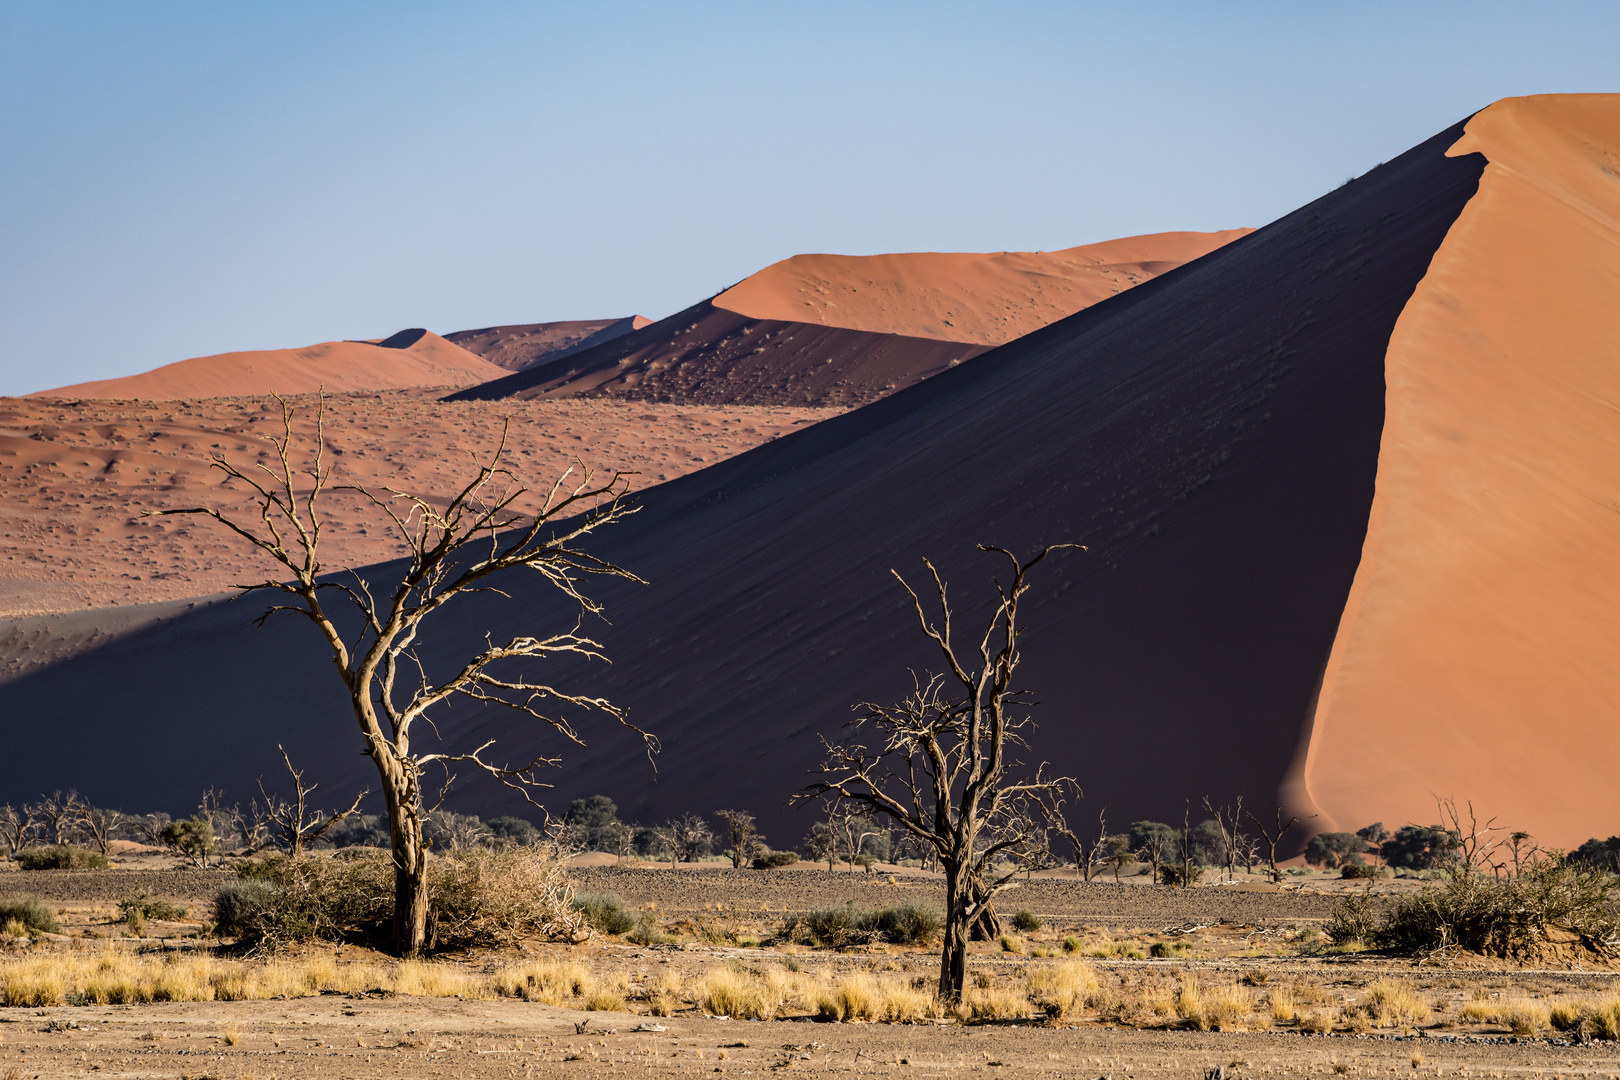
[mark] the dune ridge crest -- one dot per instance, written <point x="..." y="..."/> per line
<point x="339" y="366"/>
<point x="979" y="298"/>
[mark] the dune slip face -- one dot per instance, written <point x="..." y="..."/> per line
<point x="1478" y="653"/>
<point x="1211" y="434"/>
<point x="845" y="330"/>
<point x="409" y="359"/>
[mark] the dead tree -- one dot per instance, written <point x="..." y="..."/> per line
<point x="294" y="825"/>
<point x="1272" y="835"/>
<point x="98" y="824"/>
<point x="741" y="834"/>
<point x="1088" y="858"/>
<point x="938" y="765"/>
<point x="58" y="813"/>
<point x="691" y="834"/>
<point x="1228" y="830"/>
<point x="457" y="546"/>
<point x="19" y="827"/>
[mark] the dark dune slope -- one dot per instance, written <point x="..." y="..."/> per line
<point x="1212" y="435"/>
<point x="522" y="346"/>
<point x="707" y="355"/>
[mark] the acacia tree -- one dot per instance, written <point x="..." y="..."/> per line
<point x="1272" y="835"/>
<point x="294" y="824"/>
<point x="19" y="827"/>
<point x="457" y="546"/>
<point x="938" y="765"/>
<point x="741" y="834"/>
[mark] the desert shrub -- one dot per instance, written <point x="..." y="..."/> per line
<point x="360" y="830"/>
<point x="193" y="838"/>
<point x="513" y="830"/>
<point x="1393" y="1002"/>
<point x="911" y="923"/>
<point x="1176" y="874"/>
<point x="150" y="908"/>
<point x="1332" y="850"/>
<point x="605" y="912"/>
<point x="1354" y="919"/>
<point x="242" y="909"/>
<point x="1164" y="950"/>
<point x="1064" y="989"/>
<point x="501" y="897"/>
<point x="647" y="931"/>
<point x="832" y="926"/>
<point x="1421" y="847"/>
<point x="772" y="860"/>
<point x="1509" y="917"/>
<point x="479" y="897"/>
<point x="446" y="830"/>
<point x="1026" y="922"/>
<point x="29" y="913"/>
<point x="1358" y="871"/>
<point x="1602" y="854"/>
<point x="593" y="824"/>
<point x="1072" y="944"/>
<point x="61" y="857"/>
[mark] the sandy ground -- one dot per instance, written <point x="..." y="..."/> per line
<point x="377" y="1034"/>
<point x="366" y="1036"/>
<point x="76" y="475"/>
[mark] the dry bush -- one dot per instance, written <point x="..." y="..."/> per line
<point x="476" y="896"/>
<point x="549" y="982"/>
<point x="27" y="913"/>
<point x="1393" y="1003"/>
<point x="728" y="992"/>
<point x="1281" y="1003"/>
<point x="1320" y="1021"/>
<point x="1217" y="1008"/>
<point x="1520" y="1013"/>
<point x="1062" y="990"/>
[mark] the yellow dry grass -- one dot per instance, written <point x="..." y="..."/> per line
<point x="868" y="997"/>
<point x="1064" y="989"/>
<point x="1393" y="1003"/>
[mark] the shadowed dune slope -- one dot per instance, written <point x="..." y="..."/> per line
<point x="1480" y="652"/>
<point x="1211" y="434"/>
<point x="845" y="330"/>
<point x="409" y="358"/>
<point x="516" y="348"/>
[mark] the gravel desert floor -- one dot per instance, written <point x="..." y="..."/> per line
<point x="657" y="1009"/>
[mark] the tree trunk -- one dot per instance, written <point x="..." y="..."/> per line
<point x="410" y="876"/>
<point x="953" y="954"/>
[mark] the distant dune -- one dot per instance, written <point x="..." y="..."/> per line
<point x="984" y="299"/>
<point x="523" y="346"/>
<point x="844" y="330"/>
<point x="408" y="358"/>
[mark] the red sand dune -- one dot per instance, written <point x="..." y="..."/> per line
<point x="985" y="299"/>
<point x="1348" y="487"/>
<point x="1212" y="435"/>
<point x="409" y="358"/>
<point x="523" y="346"/>
<point x="871" y="324"/>
<point x="1479" y="654"/>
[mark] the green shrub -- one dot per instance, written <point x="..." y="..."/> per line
<point x="605" y="912"/>
<point x="30" y="912"/>
<point x="251" y="910"/>
<point x="149" y="908"/>
<point x="1166" y="949"/>
<point x="912" y="923"/>
<point x="772" y="860"/>
<point x="1176" y="874"/>
<point x="1072" y="944"/>
<point x="1360" y="871"/>
<point x="1026" y="922"/>
<point x="647" y="931"/>
<point x="61" y="857"/>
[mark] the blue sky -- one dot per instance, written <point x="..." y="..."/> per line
<point x="178" y="179"/>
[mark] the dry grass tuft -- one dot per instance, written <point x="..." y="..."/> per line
<point x="1064" y="989"/>
<point x="867" y="997"/>
<point x="1393" y="1003"/>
